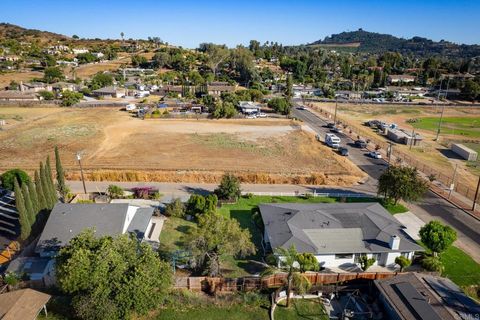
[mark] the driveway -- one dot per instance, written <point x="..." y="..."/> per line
<point x="411" y="222"/>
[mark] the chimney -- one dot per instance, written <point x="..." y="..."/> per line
<point x="394" y="242"/>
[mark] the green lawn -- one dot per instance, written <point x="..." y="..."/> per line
<point x="301" y="309"/>
<point x="460" y="267"/>
<point x="464" y="126"/>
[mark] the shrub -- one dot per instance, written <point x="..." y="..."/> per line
<point x="8" y="177"/>
<point x="195" y="204"/>
<point x="366" y="263"/>
<point x="176" y="208"/>
<point x="432" y="263"/>
<point x="403" y="262"/>
<point x="11" y="278"/>
<point x="271" y="259"/>
<point x="229" y="188"/>
<point x="307" y="262"/>
<point x="115" y="192"/>
<point x="248" y="195"/>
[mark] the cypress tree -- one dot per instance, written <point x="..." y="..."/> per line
<point x="45" y="187"/>
<point x="61" y="186"/>
<point x="25" y="227"/>
<point x="28" y="204"/>
<point x="34" y="196"/>
<point x="51" y="185"/>
<point x="42" y="202"/>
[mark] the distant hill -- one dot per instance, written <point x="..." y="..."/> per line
<point x="11" y="31"/>
<point x="373" y="42"/>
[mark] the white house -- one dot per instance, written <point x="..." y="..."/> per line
<point x="338" y="234"/>
<point x="79" y="50"/>
<point x="67" y="220"/>
<point x="249" y="107"/>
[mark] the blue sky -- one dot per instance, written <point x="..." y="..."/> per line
<point x="189" y="23"/>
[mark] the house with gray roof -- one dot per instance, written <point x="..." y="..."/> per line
<point x="67" y="220"/>
<point x="338" y="234"/>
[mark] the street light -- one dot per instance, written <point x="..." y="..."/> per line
<point x="79" y="158"/>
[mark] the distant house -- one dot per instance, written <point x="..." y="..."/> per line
<point x="24" y="304"/>
<point x="217" y="88"/>
<point x="249" y="107"/>
<point x="338" y="234"/>
<point x="348" y="95"/>
<point x="35" y="87"/>
<point x="400" y="78"/>
<point x="421" y="296"/>
<point x="98" y="55"/>
<point x="299" y="90"/>
<point x="164" y="90"/>
<point x="79" y="50"/>
<point x="108" y="219"/>
<point x="16" y="95"/>
<point x="109" y="92"/>
<point x="65" y="86"/>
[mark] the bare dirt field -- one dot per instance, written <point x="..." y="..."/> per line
<point x="26" y="76"/>
<point x="116" y="146"/>
<point x="435" y="154"/>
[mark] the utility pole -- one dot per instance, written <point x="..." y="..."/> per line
<point x="79" y="158"/>
<point x="413" y="138"/>
<point x="443" y="110"/>
<point x="476" y="195"/>
<point x="335" y="115"/>
<point x="452" y="186"/>
<point x="389" y="152"/>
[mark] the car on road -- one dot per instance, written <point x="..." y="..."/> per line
<point x="374" y="155"/>
<point x="336" y="130"/>
<point x="343" y="151"/>
<point x="301" y="108"/>
<point x="360" y="144"/>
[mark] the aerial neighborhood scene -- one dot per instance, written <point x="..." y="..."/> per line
<point x="239" y="160"/>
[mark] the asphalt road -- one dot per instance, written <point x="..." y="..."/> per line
<point x="432" y="207"/>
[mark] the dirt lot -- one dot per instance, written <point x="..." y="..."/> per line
<point x="26" y="76"/>
<point x="434" y="153"/>
<point x="117" y="146"/>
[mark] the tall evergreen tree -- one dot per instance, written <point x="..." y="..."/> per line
<point x="34" y="196"/>
<point x="51" y="185"/>
<point x="25" y="227"/>
<point x="28" y="204"/>
<point x="42" y="202"/>
<point x="45" y="186"/>
<point x="61" y="186"/>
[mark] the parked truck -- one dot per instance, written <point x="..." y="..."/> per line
<point x="332" y="141"/>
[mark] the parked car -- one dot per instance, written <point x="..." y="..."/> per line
<point x="250" y="116"/>
<point x="375" y="155"/>
<point x="360" y="144"/>
<point x="330" y="125"/>
<point x="343" y="151"/>
<point x="301" y="108"/>
<point x="131" y="107"/>
<point x="336" y="130"/>
<point x="262" y="115"/>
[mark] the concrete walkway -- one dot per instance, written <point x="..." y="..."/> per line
<point x="411" y="222"/>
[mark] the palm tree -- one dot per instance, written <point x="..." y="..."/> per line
<point x="122" y="35"/>
<point x="288" y="264"/>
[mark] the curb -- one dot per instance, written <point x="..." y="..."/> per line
<point x="456" y="205"/>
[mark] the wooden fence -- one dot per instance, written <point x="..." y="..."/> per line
<point x="218" y="284"/>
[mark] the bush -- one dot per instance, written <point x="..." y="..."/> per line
<point x="248" y="195"/>
<point x="9" y="176"/>
<point x="176" y="208"/>
<point x="307" y="262"/>
<point x="432" y="263"/>
<point x="366" y="263"/>
<point x="271" y="259"/>
<point x="403" y="262"/>
<point x="115" y="192"/>
<point x="11" y="278"/>
<point x="229" y="188"/>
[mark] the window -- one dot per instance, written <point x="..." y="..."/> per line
<point x="151" y="231"/>
<point x="358" y="256"/>
<point x="376" y="256"/>
<point x="344" y="256"/>
<point x="405" y="254"/>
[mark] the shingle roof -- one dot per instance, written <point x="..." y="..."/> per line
<point x="22" y="304"/>
<point x="333" y="228"/>
<point x="68" y="220"/>
<point x="140" y="222"/>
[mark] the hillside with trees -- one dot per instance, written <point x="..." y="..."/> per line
<point x="377" y="43"/>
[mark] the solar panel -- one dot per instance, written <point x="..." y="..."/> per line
<point x="417" y="303"/>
